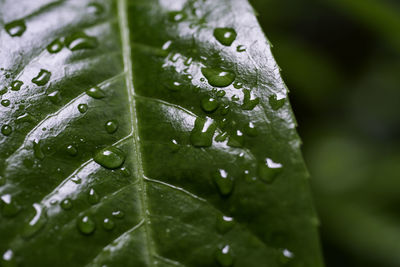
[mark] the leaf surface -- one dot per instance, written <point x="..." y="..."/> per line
<point x="147" y="133"/>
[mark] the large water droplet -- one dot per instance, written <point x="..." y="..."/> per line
<point x="176" y="16"/>
<point x="236" y="139"/>
<point x="82" y="108"/>
<point x="37" y="222"/>
<point x="6" y="130"/>
<point x="86" y="225"/>
<point x="224" y="256"/>
<point x="37" y="150"/>
<point x="9" y="207"/>
<point x="55" y="97"/>
<point x="66" y="204"/>
<point x="55" y="46"/>
<point x="203" y="132"/>
<point x="80" y="40"/>
<point x="42" y="77"/>
<point x="209" y="104"/>
<point x="111" y="126"/>
<point x="8" y="259"/>
<point x="108" y="224"/>
<point x="93" y="197"/>
<point x="249" y="102"/>
<point x="224" y="224"/>
<point x="95" y="92"/>
<point x="269" y="170"/>
<point x="16" y="85"/>
<point x="275" y="102"/>
<point x="110" y="157"/>
<point x="225" y="36"/>
<point x="15" y="28"/>
<point x="223" y="182"/>
<point x="218" y="77"/>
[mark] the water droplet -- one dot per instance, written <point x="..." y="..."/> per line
<point x="248" y="177"/>
<point x="236" y="139"/>
<point x="111" y="126"/>
<point x="237" y="85"/>
<point x="221" y="137"/>
<point x="95" y="92"/>
<point x="209" y="104"/>
<point x="55" y="46"/>
<point x="174" y="86"/>
<point x="241" y="48"/>
<point x="42" y="77"/>
<point x="82" y="108"/>
<point x="8" y="259"/>
<point x="125" y="171"/>
<point x="225" y="36"/>
<point x="5" y="102"/>
<point x="95" y="8"/>
<point x="93" y="197"/>
<point x="249" y="102"/>
<point x="108" y="224"/>
<point x="269" y="170"/>
<point x="275" y="102"/>
<point x="16" y="85"/>
<point x="110" y="157"/>
<point x="218" y="77"/>
<point x="224" y="109"/>
<point x="55" y="97"/>
<point x="224" y="224"/>
<point x="224" y="256"/>
<point x="221" y="93"/>
<point x="223" y="182"/>
<point x="9" y="207"/>
<point x="203" y="132"/>
<point x="176" y="16"/>
<point x="80" y="40"/>
<point x="118" y="214"/>
<point x="6" y="130"/>
<point x="71" y="150"/>
<point x="188" y="61"/>
<point x="286" y="256"/>
<point x="37" y="150"/>
<point x="66" y="204"/>
<point x="15" y="28"/>
<point x="37" y="222"/>
<point x="174" y="146"/>
<point x="251" y="129"/>
<point x="86" y="225"/>
<point x="26" y="117"/>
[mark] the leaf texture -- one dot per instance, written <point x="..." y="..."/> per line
<point x="147" y="133"/>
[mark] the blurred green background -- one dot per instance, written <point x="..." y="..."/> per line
<point x="341" y="62"/>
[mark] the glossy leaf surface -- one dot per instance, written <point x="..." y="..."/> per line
<point x="135" y="134"/>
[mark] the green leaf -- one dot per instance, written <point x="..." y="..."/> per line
<point x="113" y="152"/>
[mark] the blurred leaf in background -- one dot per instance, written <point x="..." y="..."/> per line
<point x="341" y="60"/>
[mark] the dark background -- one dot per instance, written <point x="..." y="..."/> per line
<point x="341" y="62"/>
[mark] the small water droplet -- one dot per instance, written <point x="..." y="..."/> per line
<point x="275" y="102"/>
<point x="80" y="40"/>
<point x="86" y="225"/>
<point x="111" y="126"/>
<point x="15" y="28"/>
<point x="225" y="36"/>
<point x="224" y="256"/>
<point x="174" y="86"/>
<point x="268" y="170"/>
<point x="55" y="97"/>
<point x="6" y="130"/>
<point x="37" y="222"/>
<point x="249" y="102"/>
<point x="95" y="8"/>
<point x="8" y="259"/>
<point x="248" y="177"/>
<point x="82" y="108"/>
<point x="224" y="224"/>
<point x="251" y="129"/>
<point x="95" y="92"/>
<point x="93" y="197"/>
<point x="174" y="146"/>
<point x="176" y="16"/>
<point x="118" y="214"/>
<point x="188" y="61"/>
<point x="218" y="77"/>
<point x="26" y="117"/>
<point x="108" y="224"/>
<point x="55" y="46"/>
<point x="286" y="256"/>
<point x="110" y="157"/>
<point x="125" y="171"/>
<point x="42" y="77"/>
<point x="223" y="182"/>
<point x="221" y="93"/>
<point x="203" y="132"/>
<point x="166" y="45"/>
<point x="37" y="150"/>
<point x="9" y="207"/>
<point x="16" y="85"/>
<point x="5" y="102"/>
<point x="241" y="48"/>
<point x="224" y="109"/>
<point x="209" y="104"/>
<point x="236" y="139"/>
<point x="71" y="150"/>
<point x="66" y="204"/>
<point x="3" y="91"/>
